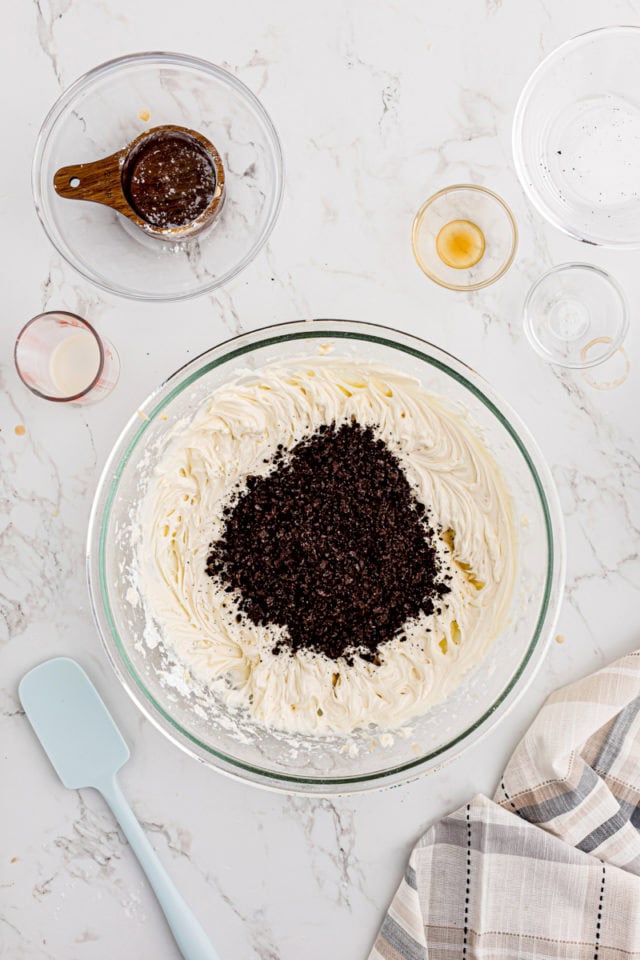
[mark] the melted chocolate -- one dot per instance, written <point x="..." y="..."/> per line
<point x="169" y="180"/>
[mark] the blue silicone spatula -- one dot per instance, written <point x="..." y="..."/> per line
<point x="87" y="750"/>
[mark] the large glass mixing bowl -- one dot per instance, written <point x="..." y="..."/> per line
<point x="191" y="716"/>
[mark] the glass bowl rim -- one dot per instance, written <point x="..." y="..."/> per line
<point x="180" y="380"/>
<point x="616" y="342"/>
<point x="517" y="136"/>
<point x="417" y="221"/>
<point x="66" y="97"/>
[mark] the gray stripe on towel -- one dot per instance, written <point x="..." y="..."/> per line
<point x="617" y="735"/>
<point x="607" y="829"/>
<point x="401" y="941"/>
<point x="550" y="809"/>
<point x="518" y="839"/>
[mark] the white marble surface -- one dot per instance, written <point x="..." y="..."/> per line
<point x="377" y="105"/>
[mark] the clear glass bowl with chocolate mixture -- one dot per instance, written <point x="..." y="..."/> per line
<point x="105" y="110"/>
<point x="197" y="721"/>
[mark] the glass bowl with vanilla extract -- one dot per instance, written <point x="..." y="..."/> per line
<point x="464" y="237"/>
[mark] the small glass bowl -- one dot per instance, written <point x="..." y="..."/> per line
<point x="41" y="340"/>
<point x="575" y="137"/>
<point x="576" y="316"/>
<point x="105" y="110"/>
<point x="481" y="207"/>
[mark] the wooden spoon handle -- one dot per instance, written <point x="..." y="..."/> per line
<point x="99" y="181"/>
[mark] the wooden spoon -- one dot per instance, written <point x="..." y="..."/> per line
<point x="169" y="181"/>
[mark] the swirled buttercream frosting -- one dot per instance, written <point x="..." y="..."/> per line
<point x="244" y="433"/>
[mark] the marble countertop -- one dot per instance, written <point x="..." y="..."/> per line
<point x="377" y="105"/>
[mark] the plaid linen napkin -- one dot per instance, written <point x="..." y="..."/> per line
<point x="550" y="868"/>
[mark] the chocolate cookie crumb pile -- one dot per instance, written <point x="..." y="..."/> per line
<point x="332" y="545"/>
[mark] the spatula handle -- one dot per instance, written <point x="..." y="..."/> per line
<point x="189" y="935"/>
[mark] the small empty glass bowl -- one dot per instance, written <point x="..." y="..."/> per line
<point x="104" y="111"/>
<point x="477" y="215"/>
<point x="576" y="316"/>
<point x="576" y="131"/>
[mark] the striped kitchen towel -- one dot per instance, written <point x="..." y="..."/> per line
<point x="550" y="868"/>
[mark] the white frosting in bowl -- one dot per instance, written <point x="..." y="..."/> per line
<point x="235" y="434"/>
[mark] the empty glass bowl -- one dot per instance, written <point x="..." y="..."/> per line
<point x="576" y="132"/>
<point x="482" y="221"/>
<point x="576" y="316"/>
<point x="104" y="111"/>
<point x="194" y="718"/>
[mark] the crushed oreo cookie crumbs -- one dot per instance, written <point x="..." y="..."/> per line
<point x="331" y="545"/>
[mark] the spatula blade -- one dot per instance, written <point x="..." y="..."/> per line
<point x="72" y="723"/>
